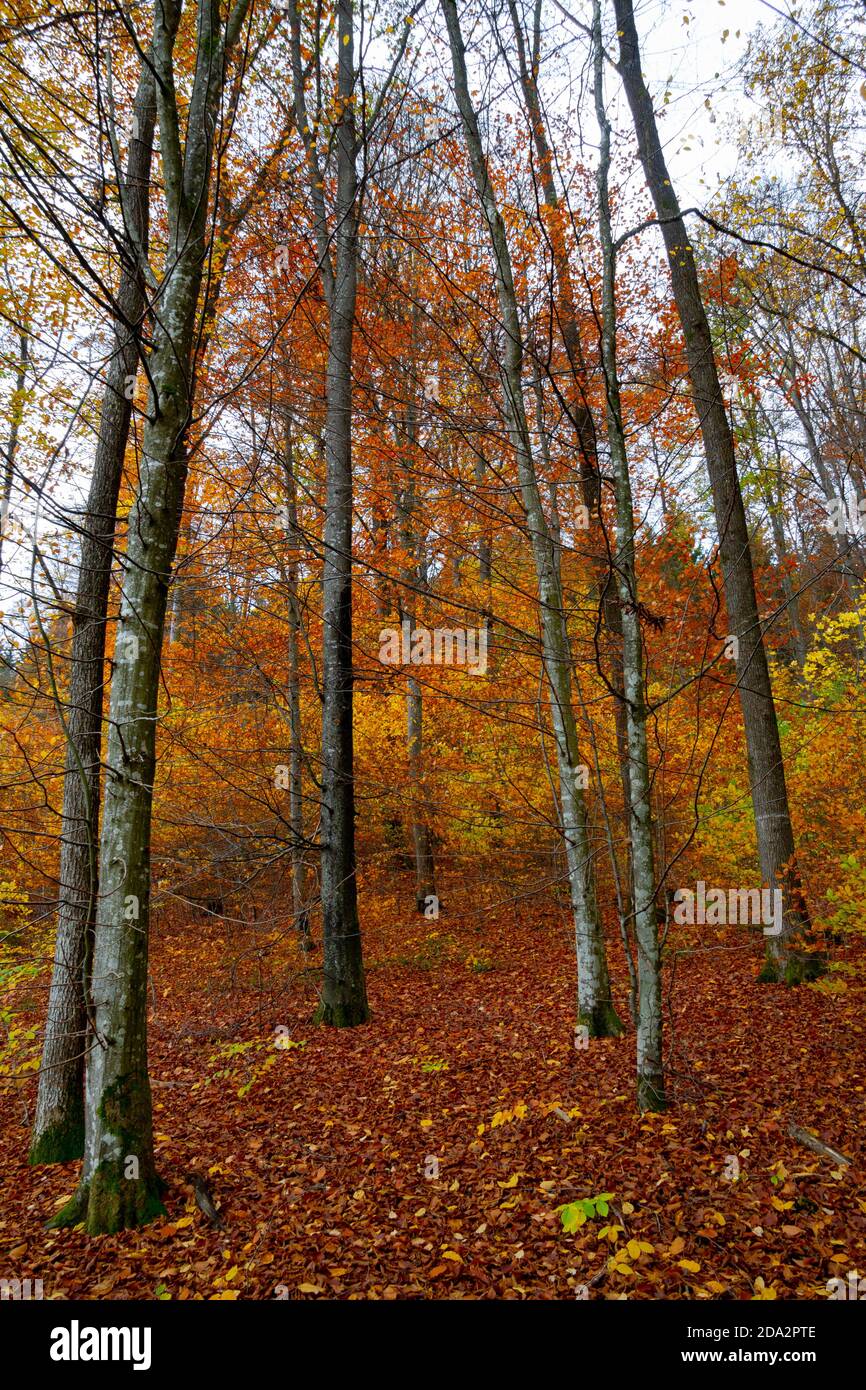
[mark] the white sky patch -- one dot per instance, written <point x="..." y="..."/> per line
<point x="696" y="62"/>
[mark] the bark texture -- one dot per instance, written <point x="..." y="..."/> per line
<point x="119" y="1186"/>
<point x="58" y="1130"/>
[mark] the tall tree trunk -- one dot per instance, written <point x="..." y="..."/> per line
<point x="300" y="907"/>
<point x="595" y="1009"/>
<point x="578" y="407"/>
<point x="118" y="1185"/>
<point x="10" y="449"/>
<point x="422" y="840"/>
<point x="344" y="991"/>
<point x="58" y="1130"/>
<point x="414" y="576"/>
<point x="775" y="835"/>
<point x="650" y="1074"/>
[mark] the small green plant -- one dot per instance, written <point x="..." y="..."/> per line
<point x="479" y="964"/>
<point x="576" y="1214"/>
<point x="434" y="1065"/>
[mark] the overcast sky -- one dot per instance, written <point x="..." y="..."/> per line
<point x="699" y="61"/>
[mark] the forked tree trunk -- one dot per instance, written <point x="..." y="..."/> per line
<point x="595" y="1009"/>
<point x="118" y="1185"/>
<point x="775" y="836"/>
<point x="58" y="1130"/>
<point x="650" y="1073"/>
<point x="578" y="407"/>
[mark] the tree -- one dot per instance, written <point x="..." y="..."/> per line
<point x="58" y="1129"/>
<point x="595" y="1009"/>
<point x="776" y="849"/>
<point x="650" y="1074"/>
<point x="118" y="1186"/>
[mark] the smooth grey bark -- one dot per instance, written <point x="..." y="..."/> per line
<point x="776" y="849"/>
<point x="344" y="992"/>
<point x="300" y="904"/>
<point x="414" y="580"/>
<point x="118" y="1186"/>
<point x="578" y="408"/>
<point x="650" y="1072"/>
<point x="58" y="1130"/>
<point x="595" y="1009"/>
<point x="422" y="839"/>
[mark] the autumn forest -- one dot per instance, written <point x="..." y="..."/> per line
<point x="432" y="618"/>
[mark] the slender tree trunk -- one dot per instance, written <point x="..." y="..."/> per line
<point x="58" y="1130"/>
<point x="118" y="1186"/>
<point x="414" y="579"/>
<point x="775" y="835"/>
<point x="10" y="449"/>
<point x="344" y="992"/>
<point x="650" y="1074"/>
<point x="422" y="840"/>
<point x="300" y="908"/>
<point x="578" y="408"/>
<point x="595" y="1009"/>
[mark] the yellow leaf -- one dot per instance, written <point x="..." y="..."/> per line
<point x="633" y="1249"/>
<point x="510" y="1182"/>
<point x="309" y="1288"/>
<point x="690" y="1266"/>
<point x="452" y="1255"/>
<point x="183" y="1221"/>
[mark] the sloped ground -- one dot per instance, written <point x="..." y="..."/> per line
<point x="425" y="1155"/>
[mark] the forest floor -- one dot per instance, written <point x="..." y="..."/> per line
<point x="426" y="1154"/>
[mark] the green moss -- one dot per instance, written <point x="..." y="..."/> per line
<point x="603" y="1021"/>
<point x="651" y="1092"/>
<point x="117" y="1203"/>
<point x="793" y="967"/>
<point x="344" y="1014"/>
<point x="59" y="1143"/>
<point x="70" y="1215"/>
